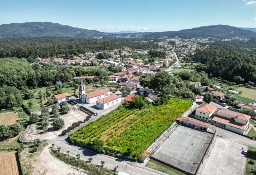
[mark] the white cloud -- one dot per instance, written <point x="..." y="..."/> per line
<point x="250" y="2"/>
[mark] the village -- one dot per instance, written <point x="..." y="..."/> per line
<point x="207" y="117"/>
<point x="208" y="124"/>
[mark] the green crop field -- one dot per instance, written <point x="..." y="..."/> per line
<point x="131" y="131"/>
<point x="247" y="93"/>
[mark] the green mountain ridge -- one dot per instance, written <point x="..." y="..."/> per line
<point x="213" y="31"/>
<point x="43" y="29"/>
<point x="48" y="29"/>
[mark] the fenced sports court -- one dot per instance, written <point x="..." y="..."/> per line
<point x="184" y="149"/>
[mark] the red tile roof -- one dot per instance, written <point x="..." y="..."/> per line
<point x="97" y="93"/>
<point x="61" y="96"/>
<point x="120" y="73"/>
<point x="194" y="122"/>
<point x="234" y="114"/>
<point x="108" y="99"/>
<point x="129" y="98"/>
<point x="217" y="94"/>
<point x="228" y="121"/>
<point x="128" y="84"/>
<point x="206" y="108"/>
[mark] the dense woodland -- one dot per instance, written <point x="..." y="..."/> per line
<point x="65" y="47"/>
<point x="229" y="61"/>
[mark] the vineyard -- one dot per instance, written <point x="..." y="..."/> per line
<point x="130" y="131"/>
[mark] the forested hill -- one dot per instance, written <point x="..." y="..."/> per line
<point x="48" y="29"/>
<point x="42" y="29"/>
<point x="230" y="61"/>
<point x="214" y="31"/>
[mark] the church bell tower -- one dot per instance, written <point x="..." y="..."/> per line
<point x="82" y="92"/>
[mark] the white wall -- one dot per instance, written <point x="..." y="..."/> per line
<point x="62" y="100"/>
<point x="240" y="131"/>
<point x="94" y="99"/>
<point x="109" y="104"/>
<point x="202" y="115"/>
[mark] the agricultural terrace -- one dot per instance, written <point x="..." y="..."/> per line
<point x="8" y="163"/>
<point x="8" y="118"/>
<point x="131" y="131"/>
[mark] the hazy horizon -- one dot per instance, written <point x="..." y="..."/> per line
<point x="132" y="15"/>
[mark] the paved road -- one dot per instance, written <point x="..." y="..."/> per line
<point x="169" y="69"/>
<point x="132" y="168"/>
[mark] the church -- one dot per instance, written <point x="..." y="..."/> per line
<point x="92" y="97"/>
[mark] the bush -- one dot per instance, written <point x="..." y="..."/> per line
<point x="58" y="123"/>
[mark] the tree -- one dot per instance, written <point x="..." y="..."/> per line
<point x="125" y="91"/>
<point x="64" y="108"/>
<point x="58" y="123"/>
<point x="138" y="102"/>
<point x="208" y="97"/>
<point x="248" y="112"/>
<point x="97" y="145"/>
<point x="4" y="132"/>
<point x="34" y="118"/>
<point x="161" y="80"/>
<point x="28" y="94"/>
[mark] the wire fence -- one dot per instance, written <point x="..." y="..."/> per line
<point x="188" y="167"/>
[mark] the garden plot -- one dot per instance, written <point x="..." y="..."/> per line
<point x="8" y="118"/>
<point x="8" y="163"/>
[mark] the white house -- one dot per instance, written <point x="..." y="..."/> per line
<point x="112" y="63"/>
<point x="205" y="111"/>
<point x="62" y="97"/>
<point x="113" y="79"/>
<point x="195" y="84"/>
<point x="109" y="101"/>
<point x="92" y="97"/>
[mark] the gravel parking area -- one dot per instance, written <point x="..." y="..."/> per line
<point x="224" y="157"/>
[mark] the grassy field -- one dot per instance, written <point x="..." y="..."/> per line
<point x="243" y="99"/>
<point x="181" y="70"/>
<point x="10" y="144"/>
<point x="252" y="133"/>
<point x="247" y="93"/>
<point x="131" y="131"/>
<point x="8" y="118"/>
<point x="251" y="162"/>
<point x="163" y="168"/>
<point x="36" y="100"/>
<point x="8" y="163"/>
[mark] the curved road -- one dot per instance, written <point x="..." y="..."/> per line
<point x="176" y="63"/>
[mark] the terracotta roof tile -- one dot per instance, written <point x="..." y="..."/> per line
<point x="206" y="108"/>
<point x="129" y="98"/>
<point x="217" y="94"/>
<point x="228" y="121"/>
<point x="108" y="99"/>
<point x="97" y="93"/>
<point x="234" y="114"/>
<point x="61" y="96"/>
<point x="194" y="121"/>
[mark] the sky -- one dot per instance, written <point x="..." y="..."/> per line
<point x="131" y="15"/>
